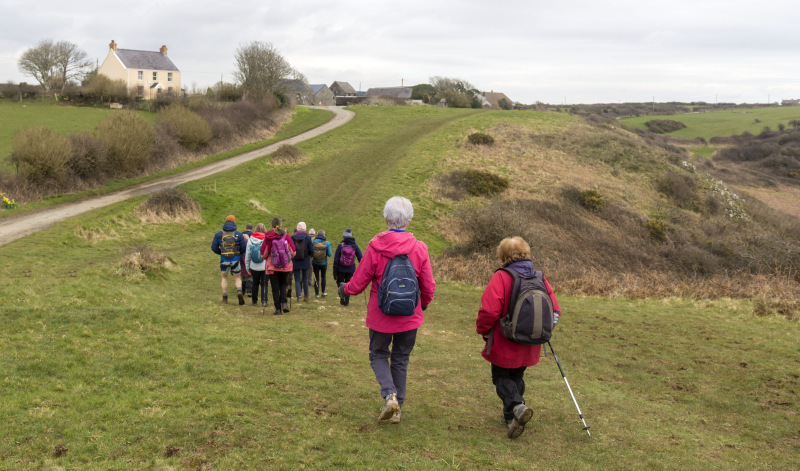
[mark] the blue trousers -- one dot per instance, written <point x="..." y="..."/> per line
<point x="391" y="365"/>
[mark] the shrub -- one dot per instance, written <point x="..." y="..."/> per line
<point x="657" y="228"/>
<point x="592" y="200"/>
<point x="478" y="183"/>
<point x="168" y="205"/>
<point x="193" y="131"/>
<point x="664" y="126"/>
<point x="678" y="186"/>
<point x="139" y="260"/>
<point x="479" y="138"/>
<point x="287" y="154"/>
<point x="88" y="155"/>
<point x="505" y="104"/>
<point x="101" y="88"/>
<point x="40" y="154"/>
<point x="166" y="144"/>
<point x="128" y="139"/>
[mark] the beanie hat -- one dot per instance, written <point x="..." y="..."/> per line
<point x="312" y="232"/>
<point x="348" y="233"/>
<point x="230" y="218"/>
<point x="301" y="226"/>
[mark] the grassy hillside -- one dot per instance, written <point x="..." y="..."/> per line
<point x="723" y="123"/>
<point x="110" y="368"/>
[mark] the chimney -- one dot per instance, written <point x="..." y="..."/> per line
<point x="163" y="50"/>
<point x="113" y="45"/>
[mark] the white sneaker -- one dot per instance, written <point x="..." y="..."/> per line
<point x="388" y="410"/>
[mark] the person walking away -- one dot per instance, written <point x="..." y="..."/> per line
<point x="392" y="337"/>
<point x="322" y="250"/>
<point x="230" y="244"/>
<point x="301" y="262"/>
<point x="508" y="359"/>
<point x="344" y="261"/>
<point x="247" y="278"/>
<point x="256" y="264"/>
<point x="278" y="250"/>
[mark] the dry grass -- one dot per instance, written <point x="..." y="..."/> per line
<point x="171" y="205"/>
<point x="287" y="154"/>
<point x="140" y="260"/>
<point x="257" y="204"/>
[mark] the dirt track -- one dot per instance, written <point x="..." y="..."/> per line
<point x="15" y="228"/>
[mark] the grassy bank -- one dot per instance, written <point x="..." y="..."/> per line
<point x="111" y="370"/>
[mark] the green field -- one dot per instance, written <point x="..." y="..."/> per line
<point x="111" y="371"/>
<point x="64" y="119"/>
<point x="724" y="123"/>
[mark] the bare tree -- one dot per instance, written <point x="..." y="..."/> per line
<point x="259" y="67"/>
<point x="53" y="64"/>
<point x="457" y="92"/>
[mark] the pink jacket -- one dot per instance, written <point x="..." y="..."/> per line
<point x="494" y="305"/>
<point x="382" y="248"/>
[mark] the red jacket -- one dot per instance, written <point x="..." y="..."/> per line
<point x="266" y="248"/>
<point x="382" y="248"/>
<point x="494" y="305"/>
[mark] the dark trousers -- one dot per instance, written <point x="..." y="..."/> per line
<point x="301" y="281"/>
<point x="343" y="278"/>
<point x="510" y="387"/>
<point x="279" y="281"/>
<point x="319" y="276"/>
<point x="391" y="366"/>
<point x="259" y="286"/>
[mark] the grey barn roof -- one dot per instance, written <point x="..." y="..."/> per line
<point x="294" y="85"/>
<point x="317" y="87"/>
<point x="397" y="92"/>
<point x="153" y="60"/>
<point x="346" y="87"/>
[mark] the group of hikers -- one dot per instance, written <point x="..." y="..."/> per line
<point x="398" y="267"/>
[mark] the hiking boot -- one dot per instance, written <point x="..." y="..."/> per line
<point x="224" y="299"/>
<point x="390" y="407"/>
<point x="255" y="302"/>
<point x="394" y="419"/>
<point x="277" y="312"/>
<point x="305" y="299"/>
<point x="316" y="295"/>
<point x="522" y="414"/>
<point x="285" y="307"/>
<point x="241" y="299"/>
<point x="298" y="299"/>
<point x="324" y="295"/>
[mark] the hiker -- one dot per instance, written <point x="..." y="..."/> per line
<point x="322" y="250"/>
<point x="256" y="264"/>
<point x="344" y="261"/>
<point x="301" y="262"/>
<point x="247" y="277"/>
<point x="230" y="244"/>
<point x="279" y="263"/>
<point x="509" y="360"/>
<point x="390" y="363"/>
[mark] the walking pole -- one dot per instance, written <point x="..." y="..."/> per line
<point x="580" y="414"/>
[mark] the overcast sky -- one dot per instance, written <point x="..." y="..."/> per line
<point x="583" y="51"/>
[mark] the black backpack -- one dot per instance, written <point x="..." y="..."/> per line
<point x="398" y="293"/>
<point x="302" y="250"/>
<point x="529" y="320"/>
<point x="229" y="244"/>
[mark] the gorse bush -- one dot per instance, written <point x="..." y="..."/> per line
<point x="479" y="138"/>
<point x="128" y="139"/>
<point x="40" y="154"/>
<point x="88" y="158"/>
<point x="591" y="200"/>
<point x="657" y="228"/>
<point x="193" y="131"/>
<point x="478" y="183"/>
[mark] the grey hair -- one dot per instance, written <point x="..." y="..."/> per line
<point x="398" y="212"/>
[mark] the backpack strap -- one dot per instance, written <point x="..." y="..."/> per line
<point x="514" y="290"/>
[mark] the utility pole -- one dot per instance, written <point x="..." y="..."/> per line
<point x="654" y="104"/>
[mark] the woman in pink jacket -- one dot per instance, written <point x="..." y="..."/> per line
<point x="278" y="276"/>
<point x="509" y="360"/>
<point x="390" y="364"/>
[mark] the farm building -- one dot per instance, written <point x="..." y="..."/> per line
<point x="495" y="97"/>
<point x="343" y="89"/>
<point x="404" y="93"/>
<point x="296" y="91"/>
<point x="148" y="74"/>
<point x="323" y="96"/>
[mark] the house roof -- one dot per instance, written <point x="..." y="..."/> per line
<point x="317" y="87"/>
<point x="397" y="92"/>
<point x="293" y="85"/>
<point x="153" y="60"/>
<point x="346" y="87"/>
<point x="494" y="97"/>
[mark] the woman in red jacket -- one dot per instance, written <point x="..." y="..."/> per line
<point x="509" y="360"/>
<point x="390" y="363"/>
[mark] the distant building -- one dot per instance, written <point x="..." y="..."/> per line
<point x="404" y="93"/>
<point x="343" y="89"/>
<point x="494" y="98"/>
<point x="790" y="102"/>
<point x="147" y="74"/>
<point x="296" y="91"/>
<point x="323" y="96"/>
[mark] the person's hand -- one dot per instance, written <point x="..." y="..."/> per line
<point x="555" y="318"/>
<point x="485" y="338"/>
<point x="424" y="307"/>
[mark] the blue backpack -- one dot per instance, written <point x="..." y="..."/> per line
<point x="255" y="251"/>
<point x="398" y="293"/>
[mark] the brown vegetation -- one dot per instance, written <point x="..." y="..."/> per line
<point x="287" y="154"/>
<point x="168" y="205"/>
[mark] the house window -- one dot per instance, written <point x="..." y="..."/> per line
<point x="141" y="75"/>
<point x="169" y="76"/>
<point x="169" y="91"/>
<point x="140" y="91"/>
<point x="155" y="76"/>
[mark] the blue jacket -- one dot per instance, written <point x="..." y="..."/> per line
<point x="242" y="243"/>
<point x="352" y="268"/>
<point x="321" y="238"/>
<point x="302" y="238"/>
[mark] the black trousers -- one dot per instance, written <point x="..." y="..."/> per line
<point x="279" y="281"/>
<point x="510" y="387"/>
<point x="259" y="285"/>
<point x="319" y="275"/>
